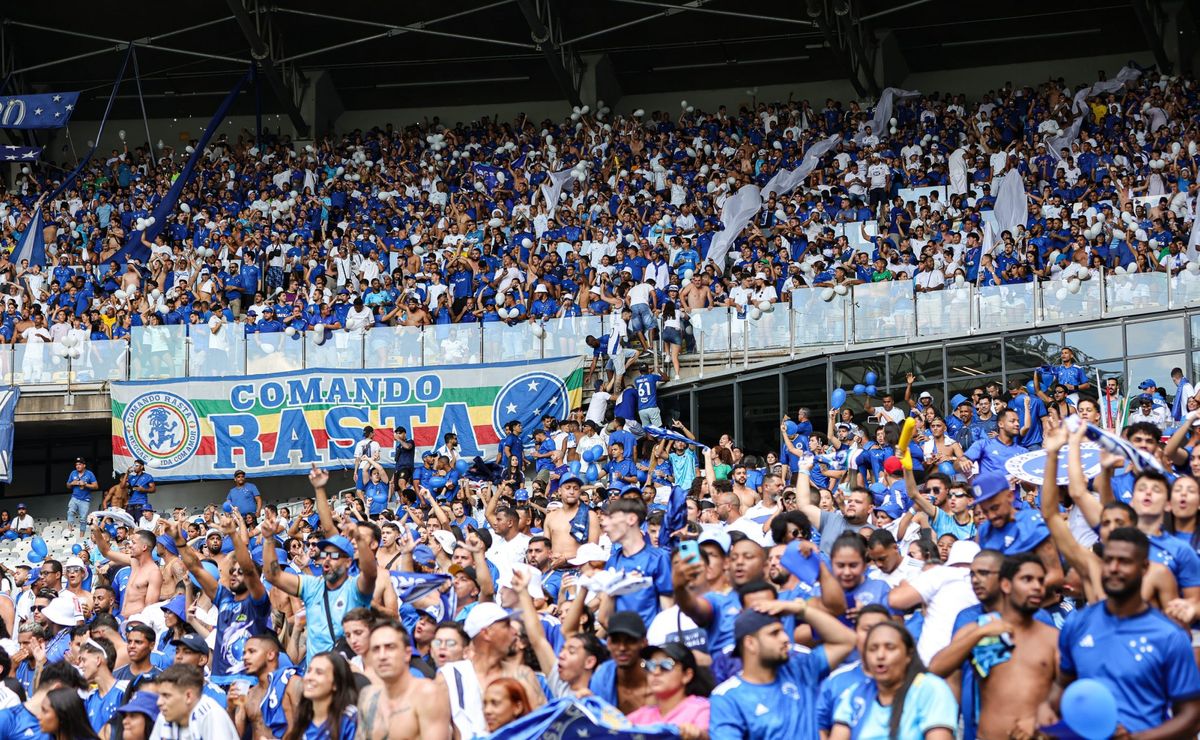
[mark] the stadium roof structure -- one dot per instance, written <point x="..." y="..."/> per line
<point x="423" y="53"/>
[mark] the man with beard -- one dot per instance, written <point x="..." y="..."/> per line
<point x="1013" y="653"/>
<point x="400" y="706"/>
<point x="572" y="525"/>
<point x="243" y="609"/>
<point x="269" y="707"/>
<point x="145" y="579"/>
<point x="538" y="555"/>
<point x="1144" y="658"/>
<point x="493" y="641"/>
<point x="622" y="681"/>
<point x="326" y="598"/>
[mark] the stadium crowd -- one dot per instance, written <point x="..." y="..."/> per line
<point x="600" y="214"/>
<point x="853" y="583"/>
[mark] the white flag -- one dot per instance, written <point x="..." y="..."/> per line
<point x="883" y="109"/>
<point x="1012" y="205"/>
<point x="553" y="187"/>
<point x="958" y="171"/>
<point x="785" y="181"/>
<point x="738" y="210"/>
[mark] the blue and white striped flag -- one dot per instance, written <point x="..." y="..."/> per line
<point x="661" y="433"/>
<point x="33" y="243"/>
<point x="1117" y="445"/>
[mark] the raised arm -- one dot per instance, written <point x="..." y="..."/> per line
<point x="686" y="578"/>
<point x="191" y="560"/>
<point x="533" y="626"/>
<point x="235" y="527"/>
<point x="289" y="583"/>
<point x="102" y="543"/>
<point x="319" y="478"/>
<point x="1060" y="533"/>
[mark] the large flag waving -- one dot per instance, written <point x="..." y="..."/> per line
<point x="581" y="719"/>
<point x="785" y="181"/>
<point x="1012" y="204"/>
<point x="553" y="187"/>
<point x="33" y="243"/>
<point x="737" y="212"/>
<point x="883" y="109"/>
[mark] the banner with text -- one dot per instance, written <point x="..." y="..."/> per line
<point x="199" y="428"/>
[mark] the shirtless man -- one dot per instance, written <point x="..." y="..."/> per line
<point x="278" y="690"/>
<point x="400" y="706"/>
<point x="117" y="496"/>
<point x="1014" y="687"/>
<point x="145" y="579"/>
<point x="572" y="525"/>
<point x="747" y="495"/>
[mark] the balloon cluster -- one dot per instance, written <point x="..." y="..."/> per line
<point x="38" y="550"/>
<point x="866" y="388"/>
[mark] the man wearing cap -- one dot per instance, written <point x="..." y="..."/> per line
<point x="493" y="643"/>
<point x="76" y="573"/>
<point x="59" y="617"/>
<point x="97" y="656"/>
<point x="1010" y="530"/>
<point x="22" y="523"/>
<point x="244" y="497"/>
<point x="192" y="649"/>
<point x="81" y="482"/>
<point x="326" y="598"/>
<point x="622" y="681"/>
<point x="774" y="696"/>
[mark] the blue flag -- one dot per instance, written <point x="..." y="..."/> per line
<point x="661" y="433"/>
<point x="412" y="586"/>
<point x="487" y="173"/>
<point x="1137" y="459"/>
<point x="581" y="719"/>
<point x="133" y="248"/>
<point x="33" y="242"/>
<point x="20" y="153"/>
<point x="8" y="409"/>
<point x="675" y="519"/>
<point x="51" y="110"/>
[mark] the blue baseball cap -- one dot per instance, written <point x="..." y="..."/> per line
<point x="340" y="542"/>
<point x="143" y="702"/>
<point x="747" y="623"/>
<point x="422" y="555"/>
<point x="1146" y="398"/>
<point x="570" y="478"/>
<point x="989" y="485"/>
<point x="1147" y="384"/>
<point x="193" y="642"/>
<point x="893" y="510"/>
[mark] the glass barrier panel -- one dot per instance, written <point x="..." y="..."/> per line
<point x="453" y="344"/>
<point x="819" y="321"/>
<point x="99" y="360"/>
<point x="944" y="312"/>
<point x="1135" y="292"/>
<point x="1185" y="289"/>
<point x="41" y="363"/>
<point x="333" y="349"/>
<point x="770" y="329"/>
<point x="1002" y="306"/>
<point x="157" y="352"/>
<point x="1060" y="303"/>
<point x="216" y="355"/>
<point x="712" y="327"/>
<point x="7" y="358"/>
<point x="274" y="352"/>
<point x="883" y="310"/>
<point x="398" y="346"/>
<point x="516" y="343"/>
<point x="566" y="337"/>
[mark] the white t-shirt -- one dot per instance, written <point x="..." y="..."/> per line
<point x="946" y="591"/>
<point x="878" y="175"/>
<point x="640" y="294"/>
<point x="208" y="721"/>
<point x="597" y="406"/>
<point x="507" y="553"/>
<point x="22" y="522"/>
<point x="895" y="415"/>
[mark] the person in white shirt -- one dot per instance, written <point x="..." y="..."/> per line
<point x="888" y="412"/>
<point x="944" y="590"/>
<point x="359" y="318"/>
<point x="1147" y="411"/>
<point x="928" y="277"/>
<point x="22" y="522"/>
<point x="185" y="711"/>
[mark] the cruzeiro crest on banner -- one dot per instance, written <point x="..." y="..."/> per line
<point x="527" y="398"/>
<point x="162" y="429"/>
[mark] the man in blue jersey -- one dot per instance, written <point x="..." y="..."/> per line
<point x="243" y="496"/>
<point x="97" y="656"/>
<point x="1143" y="658"/>
<point x="646" y="384"/>
<point x="81" y="483"/>
<point x="1010" y="530"/>
<point x="993" y="452"/>
<point x="243" y="609"/>
<point x="774" y="697"/>
<point x="630" y="553"/>
<point x="141" y="485"/>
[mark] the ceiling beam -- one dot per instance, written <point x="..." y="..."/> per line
<point x="285" y="90"/>
<point x="557" y="57"/>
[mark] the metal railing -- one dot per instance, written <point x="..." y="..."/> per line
<point x="817" y="317"/>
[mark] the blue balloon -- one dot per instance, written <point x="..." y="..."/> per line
<point x="791" y="428"/>
<point x="859" y="389"/>
<point x="870" y="378"/>
<point x="641" y="476"/>
<point x="589" y="455"/>
<point x="592" y="473"/>
<point x="437" y="481"/>
<point x="35" y="557"/>
<point x="227" y="507"/>
<point x="838" y="398"/>
<point x="76" y="549"/>
<point x="1089" y="709"/>
<point x="870" y="390"/>
<point x="39" y="546"/>
<point x="947" y="469"/>
<point x="576" y="466"/>
<point x="462" y="466"/>
<point x="452" y="479"/>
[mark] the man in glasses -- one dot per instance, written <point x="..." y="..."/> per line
<point x="243" y="609"/>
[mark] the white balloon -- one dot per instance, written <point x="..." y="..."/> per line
<point x="1061" y="294"/>
<point x="841" y="289"/>
<point x="639" y="113"/>
<point x="754" y="313"/>
<point x="827" y="295"/>
<point x="70" y="340"/>
<point x="687" y="274"/>
<point x="1193" y="267"/>
<point x="585" y="110"/>
<point x="1073" y="286"/>
<point x="59" y="351"/>
<point x="121" y="134"/>
<point x="526" y="242"/>
<point x="538" y="330"/>
<point x="75" y="353"/>
<point x="682" y="103"/>
<point x="290" y="331"/>
<point x="25" y="170"/>
<point x="185" y="208"/>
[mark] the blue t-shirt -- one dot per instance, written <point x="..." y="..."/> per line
<point x="1178" y="557"/>
<point x="139" y="497"/>
<point x="1037" y="409"/>
<point x="76" y="481"/>
<point x="237" y="621"/>
<point x="655" y="564"/>
<point x="101" y="707"/>
<point x="1024" y="533"/>
<point x="647" y="390"/>
<point x="349" y="727"/>
<point x="1145" y="660"/>
<point x="929" y="704"/>
<point x="991" y="454"/>
<point x="19" y="722"/>
<point x="377" y="497"/>
<point x="945" y="523"/>
<point x="781" y="710"/>
<point x="242" y="497"/>
<point x="831" y="689"/>
<point x="725" y="608"/>
<point x="321" y="635"/>
<point x="271" y="706"/>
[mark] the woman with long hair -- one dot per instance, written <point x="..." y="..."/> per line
<point x="326" y="710"/>
<point x="899" y="700"/>
<point x="1184" y="507"/>
<point x="62" y="716"/>
<point x="680" y="690"/>
<point x="672" y="334"/>
<point x="504" y="701"/>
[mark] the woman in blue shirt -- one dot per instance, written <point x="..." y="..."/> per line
<point x="899" y="700"/>
<point x="849" y="565"/>
<point x="326" y="710"/>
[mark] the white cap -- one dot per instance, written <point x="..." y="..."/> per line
<point x="74" y="562"/>
<point x="446" y="540"/>
<point x="482" y="616"/>
<point x="589" y="552"/>
<point x="62" y="611"/>
<point x="540" y="289"/>
<point x="962" y="552"/>
<point x="925" y="394"/>
<point x="535" y="579"/>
